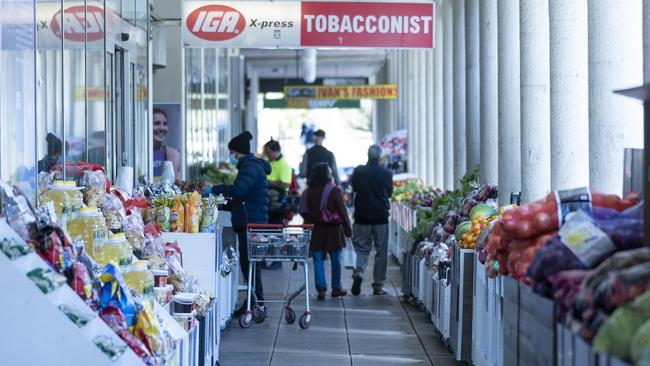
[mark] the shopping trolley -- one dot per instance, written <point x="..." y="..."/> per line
<point x="277" y="243"/>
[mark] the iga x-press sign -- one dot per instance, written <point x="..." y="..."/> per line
<point x="294" y="24"/>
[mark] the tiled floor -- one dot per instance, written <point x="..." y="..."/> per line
<point x="354" y="330"/>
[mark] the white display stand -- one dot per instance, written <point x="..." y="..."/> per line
<point x="35" y="332"/>
<point x="199" y="257"/>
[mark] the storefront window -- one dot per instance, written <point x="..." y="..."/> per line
<point x="17" y="95"/>
<point x="223" y="114"/>
<point x="96" y="90"/>
<point x="51" y="147"/>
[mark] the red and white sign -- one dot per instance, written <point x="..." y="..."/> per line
<point x="79" y="25"/>
<point x="385" y="25"/>
<point x="295" y="24"/>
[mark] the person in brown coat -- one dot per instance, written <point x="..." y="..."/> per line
<point x="327" y="238"/>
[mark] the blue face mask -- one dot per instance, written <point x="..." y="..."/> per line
<point x="233" y="160"/>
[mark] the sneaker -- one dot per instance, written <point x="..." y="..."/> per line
<point x="338" y="292"/>
<point x="356" y="286"/>
<point x="379" y="291"/>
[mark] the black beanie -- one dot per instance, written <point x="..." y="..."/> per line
<point x="241" y="143"/>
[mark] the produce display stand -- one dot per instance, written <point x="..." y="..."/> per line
<point x="228" y="271"/>
<point x="480" y="316"/>
<point x="572" y="350"/>
<point x="33" y="326"/>
<point x="462" y="298"/>
<point x="441" y="310"/>
<point x="200" y="258"/>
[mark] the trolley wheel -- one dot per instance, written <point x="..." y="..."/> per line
<point x="245" y="320"/>
<point x="305" y="321"/>
<point x="258" y="315"/>
<point x="289" y="315"/>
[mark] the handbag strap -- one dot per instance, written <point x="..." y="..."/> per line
<point x="326" y="193"/>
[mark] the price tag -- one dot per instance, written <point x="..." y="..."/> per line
<point x="585" y="240"/>
<point x="570" y="201"/>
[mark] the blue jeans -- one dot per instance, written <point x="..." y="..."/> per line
<point x="319" y="269"/>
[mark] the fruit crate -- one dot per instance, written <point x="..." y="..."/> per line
<point x="536" y="329"/>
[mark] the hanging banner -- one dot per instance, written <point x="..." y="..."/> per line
<point x="310" y="104"/>
<point x="344" y="92"/>
<point x="295" y="24"/>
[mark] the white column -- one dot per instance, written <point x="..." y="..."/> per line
<point x="646" y="41"/>
<point x="615" y="62"/>
<point x="412" y="112"/>
<point x="489" y="92"/>
<point x="429" y="76"/>
<point x="438" y="144"/>
<point x="408" y="115"/>
<point x="535" y="100"/>
<point x="448" y="96"/>
<point x="460" y="127"/>
<point x="569" y="94"/>
<point x="509" y="100"/>
<point x="472" y="91"/>
<point x="423" y="121"/>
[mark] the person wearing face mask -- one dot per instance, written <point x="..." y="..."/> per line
<point x="250" y="201"/>
<point x="162" y="152"/>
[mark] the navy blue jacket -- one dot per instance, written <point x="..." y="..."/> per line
<point x="250" y="187"/>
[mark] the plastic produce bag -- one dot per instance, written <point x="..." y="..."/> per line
<point x="18" y="211"/>
<point x="193" y="213"/>
<point x="163" y="213"/>
<point x="566" y="285"/>
<point x="177" y="215"/>
<point x="133" y="228"/>
<point x="114" y="212"/>
<point x="615" y="336"/>
<point x="114" y="318"/>
<point x="95" y="192"/>
<point x="148" y="330"/>
<point x="82" y="284"/>
<point x="622" y="286"/>
<point x="116" y="293"/>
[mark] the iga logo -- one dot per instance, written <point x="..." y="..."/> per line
<point x="216" y="22"/>
<point x="78" y="25"/>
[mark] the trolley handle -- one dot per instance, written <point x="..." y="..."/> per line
<point x="278" y="226"/>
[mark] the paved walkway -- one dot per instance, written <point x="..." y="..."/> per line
<point x="353" y="330"/>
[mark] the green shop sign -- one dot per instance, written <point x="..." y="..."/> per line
<point x="310" y="103"/>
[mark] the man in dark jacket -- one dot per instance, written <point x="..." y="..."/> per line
<point x="373" y="186"/>
<point x="318" y="154"/>
<point x="250" y="196"/>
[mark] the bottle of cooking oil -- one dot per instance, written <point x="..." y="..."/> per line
<point x="116" y="249"/>
<point x="90" y="225"/>
<point x="57" y="193"/>
<point x="139" y="278"/>
<point x="76" y="198"/>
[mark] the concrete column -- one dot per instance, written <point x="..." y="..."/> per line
<point x="429" y="76"/>
<point x="472" y="91"/>
<point x="646" y="41"/>
<point x="535" y="100"/>
<point x="438" y="121"/>
<point x="509" y="100"/>
<point x="448" y="95"/>
<point x="569" y="94"/>
<point x="489" y="92"/>
<point x="424" y="104"/>
<point x="615" y="62"/>
<point x="460" y="127"/>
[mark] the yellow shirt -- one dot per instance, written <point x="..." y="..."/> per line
<point x="280" y="171"/>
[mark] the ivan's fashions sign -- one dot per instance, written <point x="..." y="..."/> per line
<point x="346" y="92"/>
<point x="292" y="24"/>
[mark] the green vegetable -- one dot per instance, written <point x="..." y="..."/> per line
<point x="463" y="228"/>
<point x="482" y="211"/>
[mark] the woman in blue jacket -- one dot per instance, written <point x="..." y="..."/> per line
<point x="250" y="200"/>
